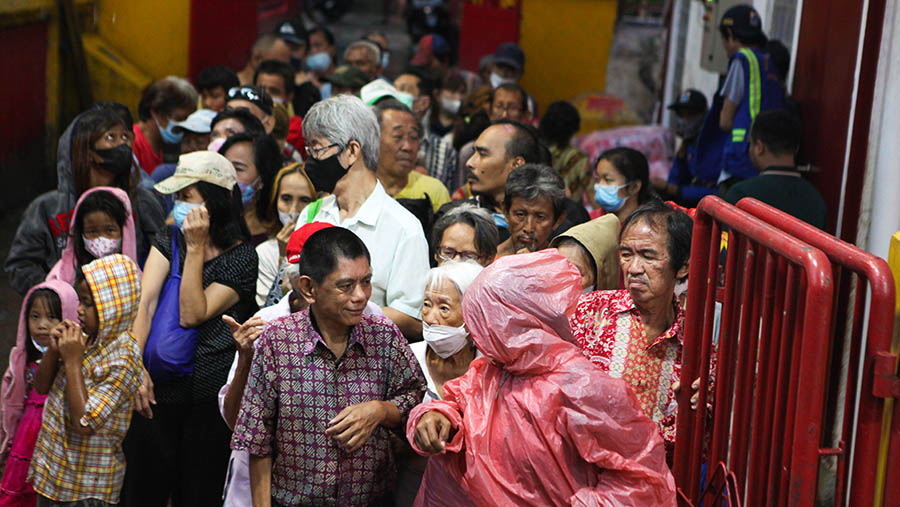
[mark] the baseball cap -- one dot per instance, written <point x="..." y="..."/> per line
<point x="200" y="121"/>
<point x="298" y="239"/>
<point x="289" y="33"/>
<point x="347" y="76"/>
<point x="509" y="53"/>
<point x="689" y="100"/>
<point x="197" y="166"/>
<point x="429" y="46"/>
<point x="379" y="88"/>
<point x="744" y="20"/>
<point x="252" y="94"/>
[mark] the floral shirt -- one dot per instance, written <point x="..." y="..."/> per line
<point x="296" y="386"/>
<point x="608" y="327"/>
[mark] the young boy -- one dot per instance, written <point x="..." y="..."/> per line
<point x="78" y="456"/>
<point x="213" y="84"/>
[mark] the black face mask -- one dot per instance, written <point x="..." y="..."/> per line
<point x="324" y="174"/>
<point x="116" y="160"/>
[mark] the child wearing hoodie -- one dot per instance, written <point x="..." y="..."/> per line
<point x="102" y="224"/>
<point x="78" y="456"/>
<point x="22" y="406"/>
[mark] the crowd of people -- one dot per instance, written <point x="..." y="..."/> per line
<point x="308" y="283"/>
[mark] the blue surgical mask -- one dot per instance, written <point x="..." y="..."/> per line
<point x="247" y="191"/>
<point x="607" y="196"/>
<point x="385" y="59"/>
<point x="168" y="134"/>
<point x="318" y="62"/>
<point x="180" y="212"/>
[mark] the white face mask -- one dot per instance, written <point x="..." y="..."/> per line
<point x="278" y="100"/>
<point x="450" y="106"/>
<point x="445" y="340"/>
<point x="287" y="218"/>
<point x="497" y="80"/>
<point x="587" y="290"/>
<point x="102" y="246"/>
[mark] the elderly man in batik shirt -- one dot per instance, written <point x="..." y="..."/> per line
<point x="326" y="387"/>
<point x="636" y="333"/>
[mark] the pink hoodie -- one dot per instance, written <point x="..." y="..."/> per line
<point x="12" y="390"/>
<point x="65" y="268"/>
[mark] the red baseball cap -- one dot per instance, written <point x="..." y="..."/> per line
<point x="299" y="237"/>
<point x="429" y="46"/>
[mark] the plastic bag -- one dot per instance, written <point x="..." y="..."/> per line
<point x="536" y="423"/>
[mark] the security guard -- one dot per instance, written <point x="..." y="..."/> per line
<point x="751" y="85"/>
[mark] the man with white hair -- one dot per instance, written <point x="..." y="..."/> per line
<point x="342" y="143"/>
<point x="366" y="56"/>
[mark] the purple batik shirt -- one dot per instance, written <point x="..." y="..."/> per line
<point x="296" y="386"/>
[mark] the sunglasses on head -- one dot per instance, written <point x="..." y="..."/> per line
<point x="245" y="93"/>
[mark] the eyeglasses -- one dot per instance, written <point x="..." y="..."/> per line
<point x="508" y="108"/>
<point x="316" y="153"/>
<point x="448" y="254"/>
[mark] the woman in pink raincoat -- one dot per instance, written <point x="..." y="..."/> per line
<point x="533" y="422"/>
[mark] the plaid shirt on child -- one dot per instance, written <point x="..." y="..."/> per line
<point x="66" y="465"/>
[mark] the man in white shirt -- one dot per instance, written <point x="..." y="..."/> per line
<point x="342" y="144"/>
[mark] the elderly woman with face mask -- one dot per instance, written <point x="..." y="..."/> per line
<point x="444" y="355"/>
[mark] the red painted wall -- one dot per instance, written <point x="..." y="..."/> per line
<point x="222" y="33"/>
<point x="23" y="100"/>
<point x="823" y="85"/>
<point x="483" y="28"/>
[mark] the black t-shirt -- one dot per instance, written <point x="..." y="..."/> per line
<point x="789" y="193"/>
<point x="237" y="268"/>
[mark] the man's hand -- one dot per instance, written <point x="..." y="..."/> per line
<point x="695" y="399"/>
<point x="245" y="334"/>
<point x="145" y="397"/>
<point x="353" y="426"/>
<point x="196" y="228"/>
<point x="432" y="432"/>
<point x="71" y="341"/>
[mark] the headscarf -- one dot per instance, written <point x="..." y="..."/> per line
<point x="600" y="237"/>
<point x="65" y="268"/>
<point x="12" y="391"/>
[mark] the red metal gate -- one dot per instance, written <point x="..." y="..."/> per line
<point x="878" y="363"/>
<point x="771" y="359"/>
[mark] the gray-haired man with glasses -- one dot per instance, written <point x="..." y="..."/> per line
<point x="342" y="141"/>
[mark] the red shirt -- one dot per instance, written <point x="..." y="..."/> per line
<point x="295" y="135"/>
<point x="147" y="158"/>
<point x="608" y="328"/>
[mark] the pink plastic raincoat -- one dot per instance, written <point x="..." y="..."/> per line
<point x="536" y="423"/>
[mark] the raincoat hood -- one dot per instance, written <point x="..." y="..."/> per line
<point x="536" y="423"/>
<point x="65" y="268"/>
<point x="516" y="311"/>
<point x="115" y="285"/>
<point x="600" y="237"/>
<point x="12" y="391"/>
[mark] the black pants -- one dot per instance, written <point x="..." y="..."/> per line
<point x="182" y="452"/>
<point x="43" y="501"/>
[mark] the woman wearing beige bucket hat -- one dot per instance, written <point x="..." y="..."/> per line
<point x="178" y="426"/>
